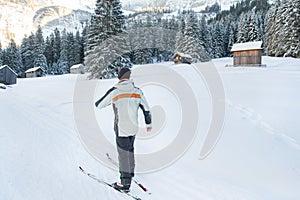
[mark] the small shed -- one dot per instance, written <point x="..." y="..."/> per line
<point x="7" y="75"/>
<point x="180" y="58"/>
<point x="77" y="69"/>
<point x="247" y="54"/>
<point x="34" y="72"/>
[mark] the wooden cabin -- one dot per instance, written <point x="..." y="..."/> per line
<point x="34" y="72"/>
<point x="77" y="69"/>
<point x="7" y="75"/>
<point x="181" y="58"/>
<point x="247" y="54"/>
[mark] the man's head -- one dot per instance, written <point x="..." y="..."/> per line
<point x="124" y="73"/>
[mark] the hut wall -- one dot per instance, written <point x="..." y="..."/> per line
<point x="37" y="73"/>
<point x="11" y="78"/>
<point x="7" y="76"/>
<point x="2" y="75"/>
<point x="250" y="57"/>
<point x="29" y="75"/>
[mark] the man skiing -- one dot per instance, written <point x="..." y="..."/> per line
<point x="126" y="99"/>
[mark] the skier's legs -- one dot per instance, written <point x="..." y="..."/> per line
<point x="131" y="155"/>
<point x="126" y="158"/>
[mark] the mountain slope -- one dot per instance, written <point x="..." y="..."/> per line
<point x="257" y="156"/>
<point x="19" y="18"/>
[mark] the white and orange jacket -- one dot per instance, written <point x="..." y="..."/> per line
<point x="126" y="99"/>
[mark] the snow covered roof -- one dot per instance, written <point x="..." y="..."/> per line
<point x="76" y="66"/>
<point x="33" y="69"/>
<point x="247" y="46"/>
<point x="1" y="67"/>
<point x="182" y="55"/>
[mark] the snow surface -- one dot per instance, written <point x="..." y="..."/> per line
<point x="257" y="157"/>
<point x="247" y="46"/>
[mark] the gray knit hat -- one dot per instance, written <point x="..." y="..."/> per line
<point x="124" y="73"/>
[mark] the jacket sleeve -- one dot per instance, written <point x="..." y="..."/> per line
<point x="105" y="100"/>
<point x="146" y="110"/>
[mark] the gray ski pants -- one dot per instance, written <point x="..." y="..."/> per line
<point x="125" y="146"/>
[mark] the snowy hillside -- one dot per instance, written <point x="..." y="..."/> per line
<point x="256" y="158"/>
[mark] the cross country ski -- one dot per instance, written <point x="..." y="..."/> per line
<point x="134" y="179"/>
<point x="108" y="184"/>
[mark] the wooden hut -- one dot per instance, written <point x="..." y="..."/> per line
<point x="77" y="69"/>
<point x="180" y="58"/>
<point x="7" y="75"/>
<point x="34" y="72"/>
<point x="247" y="54"/>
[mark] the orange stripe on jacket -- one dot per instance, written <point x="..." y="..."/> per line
<point x="121" y="96"/>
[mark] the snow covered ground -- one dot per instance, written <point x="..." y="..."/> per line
<point x="256" y="158"/>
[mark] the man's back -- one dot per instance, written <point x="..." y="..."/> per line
<point x="126" y="102"/>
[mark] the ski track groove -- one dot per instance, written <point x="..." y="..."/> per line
<point x="256" y="119"/>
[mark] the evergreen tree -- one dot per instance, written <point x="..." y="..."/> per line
<point x="165" y="36"/>
<point x="172" y="38"/>
<point x="39" y="38"/>
<point x="169" y="36"/>
<point x="49" y="53"/>
<point x="141" y="55"/>
<point x="119" y="35"/>
<point x="28" y="52"/>
<point x="56" y="46"/>
<point x="157" y="33"/>
<point x="270" y="34"/>
<point x="191" y="43"/>
<point x="225" y="39"/>
<point x="71" y="49"/>
<point x="253" y="28"/>
<point x="243" y="29"/>
<point x="261" y="25"/>
<point x="231" y="38"/>
<point x="218" y="43"/>
<point x="97" y="30"/>
<point x="180" y="35"/>
<point x="203" y="35"/>
<point x="63" y="61"/>
<point x="131" y="38"/>
<point x="38" y="49"/>
<point x="13" y="58"/>
<point x="41" y="61"/>
<point x="78" y="49"/>
<point x="148" y="38"/>
<point x="117" y="17"/>
<point x="159" y="36"/>
<point x="278" y="25"/>
<point x="261" y="5"/>
<point x="84" y="41"/>
<point x="107" y="49"/>
<point x="282" y="32"/>
<point x="209" y="42"/>
<point x="294" y="22"/>
<point x="289" y="33"/>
